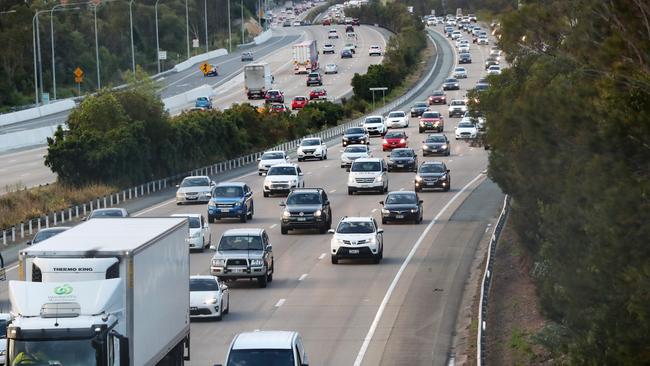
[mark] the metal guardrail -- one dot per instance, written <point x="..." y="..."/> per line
<point x="485" y="285"/>
<point x="25" y="229"/>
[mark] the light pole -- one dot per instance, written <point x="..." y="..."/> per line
<point x="52" y="41"/>
<point x="242" y="21"/>
<point x="38" y="68"/>
<point x="187" y="28"/>
<point x="205" y="17"/>
<point x="132" y="48"/>
<point x="229" y="30"/>
<point x="99" y="79"/>
<point x="155" y="9"/>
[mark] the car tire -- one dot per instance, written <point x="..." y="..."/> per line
<point x="323" y="228"/>
<point x="385" y="189"/>
<point x="448" y="153"/>
<point x="211" y="219"/>
<point x="384" y="221"/>
<point x="284" y="230"/>
<point x="243" y="218"/>
<point x="250" y="215"/>
<point x="300" y="159"/>
<point x="266" y="194"/>
<point x="269" y="277"/>
<point x="178" y="203"/>
<point x="419" y="130"/>
<point x="227" y="307"/>
<point x="335" y="259"/>
<point x="376" y="259"/>
<point x="220" y="316"/>
<point x="350" y="192"/>
<point x="262" y="281"/>
<point x="448" y="188"/>
<point x="417" y="189"/>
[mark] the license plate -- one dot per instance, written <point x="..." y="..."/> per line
<point x="193" y="308"/>
<point x="400" y="165"/>
<point x="237" y="270"/>
<point x="302" y="219"/>
<point x="399" y="216"/>
<point x="224" y="210"/>
<point x="354" y="251"/>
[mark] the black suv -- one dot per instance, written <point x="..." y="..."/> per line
<point x="355" y="135"/>
<point x="314" y="78"/>
<point x="306" y="208"/>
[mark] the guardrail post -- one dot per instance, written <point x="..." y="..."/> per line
<point x="63" y="216"/>
<point x="105" y="202"/>
<point x="91" y="206"/>
<point x="148" y="189"/>
<point x="69" y="213"/>
<point x="4" y="237"/>
<point x="99" y="203"/>
<point x="22" y="230"/>
<point x="76" y="211"/>
<point x="13" y="234"/>
<point x="38" y="223"/>
<point x="54" y="216"/>
<point x="142" y="190"/>
<point x="130" y="193"/>
<point x="84" y="209"/>
<point x="30" y="227"/>
<point x="47" y="221"/>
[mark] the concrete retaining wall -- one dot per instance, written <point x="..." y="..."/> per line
<point x="263" y="37"/>
<point x="33" y="137"/>
<point x="173" y="104"/>
<point x="194" y="60"/>
<point x="27" y="114"/>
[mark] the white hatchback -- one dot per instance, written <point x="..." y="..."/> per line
<point x="282" y="178"/>
<point x="331" y="69"/>
<point x="397" y="119"/>
<point x="209" y="298"/>
<point x="200" y="235"/>
<point x="269" y="159"/>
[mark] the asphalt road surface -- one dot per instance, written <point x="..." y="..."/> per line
<point x="401" y="311"/>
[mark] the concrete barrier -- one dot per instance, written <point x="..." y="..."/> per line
<point x="194" y="60"/>
<point x="36" y="112"/>
<point x="32" y="137"/>
<point x="173" y="104"/>
<point x="263" y="37"/>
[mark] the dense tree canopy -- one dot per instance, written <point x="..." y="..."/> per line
<point x="569" y="125"/>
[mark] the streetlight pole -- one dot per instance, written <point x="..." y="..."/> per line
<point x="229" y="30"/>
<point x="132" y="48"/>
<point x="205" y="17"/>
<point x="52" y="42"/>
<point x="35" y="66"/>
<point x="38" y="69"/>
<point x="99" y="79"/>
<point x="187" y="28"/>
<point x="155" y="8"/>
<point x="242" y="21"/>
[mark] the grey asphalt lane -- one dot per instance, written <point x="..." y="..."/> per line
<point x="336" y="307"/>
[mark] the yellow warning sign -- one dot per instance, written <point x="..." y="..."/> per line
<point x="206" y="67"/>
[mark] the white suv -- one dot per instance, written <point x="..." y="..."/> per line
<point x="357" y="237"/>
<point x="265" y="346"/>
<point x="397" y="119"/>
<point x="375" y="125"/>
<point x="312" y="147"/>
<point x="457" y="108"/>
<point x="368" y="174"/>
<point x="281" y="178"/>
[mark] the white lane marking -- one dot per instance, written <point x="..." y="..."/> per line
<point x="488" y="227"/>
<point x="333" y="190"/>
<point x="374" y="210"/>
<point x="322" y="256"/>
<point x="308" y="173"/>
<point x="165" y="203"/>
<point x="280" y="302"/>
<point x="272" y="226"/>
<point x="304" y="275"/>
<point x="401" y="189"/>
<point x="398" y="275"/>
<point x="326" y="166"/>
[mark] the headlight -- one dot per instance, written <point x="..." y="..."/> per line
<point x="443" y="177"/>
<point x="372" y="240"/>
<point x="443" y="147"/>
<point x="414" y="210"/>
<point x="218" y="262"/>
<point x="286" y="214"/>
<point x="196" y="234"/>
<point x="211" y="203"/>
<point x="385" y="141"/>
<point x="210" y="301"/>
<point x="425" y="147"/>
<point x="402" y="141"/>
<point x="294" y="182"/>
<point x="351" y="180"/>
<point x="318" y="213"/>
<point x="237" y="204"/>
<point x="379" y="178"/>
<point x="418" y="178"/>
<point x="384" y="211"/>
<point x="180" y="194"/>
<point x="345" y="138"/>
<point x="257" y="262"/>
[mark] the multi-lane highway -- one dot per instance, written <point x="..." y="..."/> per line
<point x="401" y="311"/>
<point x="26" y="167"/>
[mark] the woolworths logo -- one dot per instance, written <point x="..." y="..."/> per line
<point x="63" y="290"/>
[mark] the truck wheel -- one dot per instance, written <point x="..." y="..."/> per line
<point x="335" y="259"/>
<point x="261" y="281"/>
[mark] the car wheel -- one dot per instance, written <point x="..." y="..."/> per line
<point x="227" y="310"/>
<point x="350" y="192"/>
<point x="383" y="221"/>
<point x="417" y="189"/>
<point x="262" y="281"/>
<point x="211" y="219"/>
<point x="250" y="216"/>
<point x="259" y="173"/>
<point x="300" y="159"/>
<point x="284" y="230"/>
<point x="243" y="217"/>
<point x="448" y="187"/>
<point x="323" y="228"/>
<point x="269" y="277"/>
<point x="448" y="153"/>
<point x="178" y="203"/>
<point x="376" y="259"/>
<point x="335" y="259"/>
<point x="203" y="245"/>
<point x="385" y="189"/>
<point x="220" y="316"/>
<point x="266" y="194"/>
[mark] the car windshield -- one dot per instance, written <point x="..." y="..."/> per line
<point x="354" y="131"/>
<point x="195" y="222"/>
<point x="459" y="69"/>
<point x="394" y="135"/>
<point x="229" y="192"/>
<point x="202" y="99"/>
<point x="203" y="284"/>
<point x="431" y="115"/>
<point x="282" y="170"/>
<point x="3" y="328"/>
<point x="272" y="156"/>
<point x="240" y="242"/>
<point x="450" y="81"/>
<point x="314" y="75"/>
<point x="420" y="105"/>
<point x="437" y="138"/>
<point x="396" y="114"/>
<point x="312" y="142"/>
<point x="398" y="198"/>
<point x="465" y="125"/>
<point x="331" y="66"/>
<point x="356" y="149"/>
<point x="106" y="213"/>
<point x="457" y="102"/>
<point x="432" y="168"/>
<point x="438" y="93"/>
<point x="299" y="99"/>
<point x="260" y="357"/>
<point x="356" y="227"/>
<point x="366" y="166"/>
<point x="45" y="234"/>
<point x="195" y="182"/>
<point x="402" y="153"/>
<point x="303" y="199"/>
<point x="373" y="120"/>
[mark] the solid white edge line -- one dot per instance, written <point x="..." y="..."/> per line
<point x="398" y="275"/>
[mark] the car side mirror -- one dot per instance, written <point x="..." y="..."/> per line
<point x="259" y="159"/>
<point x="85" y="218"/>
<point x="347" y="169"/>
<point x="178" y="186"/>
<point x="29" y="242"/>
<point x="448" y="170"/>
<point x="380" y="231"/>
<point x="212" y="247"/>
<point x="282" y="204"/>
<point x="301" y="174"/>
<point x="421" y="201"/>
<point x="331" y="231"/>
<point x="223" y="287"/>
<point x="209" y="195"/>
<point x="249" y="194"/>
<point x="381" y="203"/>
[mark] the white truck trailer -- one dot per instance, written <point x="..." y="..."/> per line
<point x="305" y="57"/>
<point x="107" y="292"/>
<point x="257" y="79"/>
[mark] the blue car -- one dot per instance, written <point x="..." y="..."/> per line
<point x="203" y="102"/>
<point x="231" y="200"/>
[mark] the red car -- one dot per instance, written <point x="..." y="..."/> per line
<point x="299" y="102"/>
<point x="278" y="107"/>
<point x="274" y="96"/>
<point x="438" y="97"/>
<point x="355" y="21"/>
<point x="431" y="120"/>
<point x="327" y="22"/>
<point x="318" y="93"/>
<point x="394" y="140"/>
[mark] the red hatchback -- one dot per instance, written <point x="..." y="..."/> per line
<point x="394" y="140"/>
<point x="438" y="97"/>
<point x="318" y="93"/>
<point x="299" y="102"/>
<point x="431" y="120"/>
